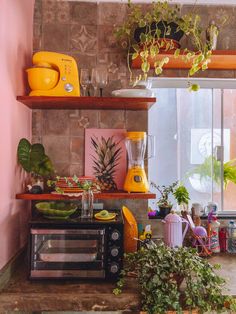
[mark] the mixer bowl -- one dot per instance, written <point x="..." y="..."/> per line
<point x="40" y="78"/>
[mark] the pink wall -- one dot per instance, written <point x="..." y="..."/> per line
<point x="16" y="27"/>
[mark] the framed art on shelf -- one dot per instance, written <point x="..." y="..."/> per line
<point x="105" y="157"/>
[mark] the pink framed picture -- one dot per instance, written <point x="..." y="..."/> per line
<point x="105" y="157"/>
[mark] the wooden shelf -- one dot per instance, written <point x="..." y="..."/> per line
<point x="220" y="60"/>
<point x="100" y="196"/>
<point x="89" y="103"/>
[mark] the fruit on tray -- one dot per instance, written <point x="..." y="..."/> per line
<point x="56" y="209"/>
<point x="104" y="213"/>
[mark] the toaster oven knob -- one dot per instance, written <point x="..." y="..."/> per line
<point x="114" y="268"/>
<point x="115" y="235"/>
<point x="114" y="251"/>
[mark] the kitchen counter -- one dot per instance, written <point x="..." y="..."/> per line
<point x="23" y="295"/>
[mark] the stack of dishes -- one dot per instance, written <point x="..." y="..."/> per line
<point x="133" y="92"/>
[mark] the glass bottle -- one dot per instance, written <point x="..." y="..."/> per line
<point x="212" y="35"/>
<point x="87" y="204"/>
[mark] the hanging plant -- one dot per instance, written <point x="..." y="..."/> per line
<point x="159" y="30"/>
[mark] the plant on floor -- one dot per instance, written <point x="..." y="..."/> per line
<point x="33" y="159"/>
<point x="175" y="279"/>
<point x="159" y="29"/>
<point x="105" y="160"/>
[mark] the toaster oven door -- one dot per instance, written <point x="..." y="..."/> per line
<point x="57" y="253"/>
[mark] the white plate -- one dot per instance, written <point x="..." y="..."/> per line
<point x="132" y="93"/>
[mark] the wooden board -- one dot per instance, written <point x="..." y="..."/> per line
<point x="220" y="60"/>
<point x="90" y="103"/>
<point x="104" y="195"/>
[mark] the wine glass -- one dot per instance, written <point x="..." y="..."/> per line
<point x="84" y="80"/>
<point x="102" y="79"/>
<point x="94" y="81"/>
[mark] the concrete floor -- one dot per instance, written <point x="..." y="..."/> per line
<point x="23" y="296"/>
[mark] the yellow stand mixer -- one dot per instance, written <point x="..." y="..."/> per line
<point x="53" y="74"/>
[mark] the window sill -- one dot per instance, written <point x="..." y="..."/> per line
<point x="219" y="216"/>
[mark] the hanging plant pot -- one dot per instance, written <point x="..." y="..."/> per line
<point x="161" y="28"/>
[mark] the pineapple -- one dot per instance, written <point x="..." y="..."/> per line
<point x="107" y="154"/>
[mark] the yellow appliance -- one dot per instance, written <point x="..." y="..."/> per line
<point x="130" y="231"/>
<point x="53" y="74"/>
<point x="136" y="179"/>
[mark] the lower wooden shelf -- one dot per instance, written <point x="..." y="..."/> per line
<point x="103" y="195"/>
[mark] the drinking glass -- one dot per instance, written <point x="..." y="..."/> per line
<point x="94" y="81"/>
<point x="102" y="79"/>
<point x="87" y="204"/>
<point x="84" y="80"/>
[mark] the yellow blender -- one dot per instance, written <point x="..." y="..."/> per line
<point x="136" y="179"/>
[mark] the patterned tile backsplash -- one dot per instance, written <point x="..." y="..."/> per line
<point x="85" y="31"/>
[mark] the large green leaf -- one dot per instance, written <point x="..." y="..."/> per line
<point x="33" y="159"/>
<point x="23" y="153"/>
<point x="37" y="154"/>
<point x="45" y="167"/>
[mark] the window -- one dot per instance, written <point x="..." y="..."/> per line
<point x="195" y="135"/>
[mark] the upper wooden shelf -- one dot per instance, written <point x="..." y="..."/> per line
<point x="220" y="60"/>
<point x="111" y="103"/>
<point x="104" y="195"/>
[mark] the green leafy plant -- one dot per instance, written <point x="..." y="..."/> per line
<point x="33" y="159"/>
<point x="72" y="182"/>
<point x="165" y="191"/>
<point x="181" y="195"/>
<point x="211" y="168"/>
<point x="175" y="279"/>
<point x="153" y="40"/>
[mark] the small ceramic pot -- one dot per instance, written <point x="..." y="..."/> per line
<point x="164" y="211"/>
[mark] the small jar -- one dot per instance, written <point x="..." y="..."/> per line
<point x="87" y="204"/>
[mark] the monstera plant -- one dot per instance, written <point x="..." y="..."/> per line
<point x="33" y="159"/>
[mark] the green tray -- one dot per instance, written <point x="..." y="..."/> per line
<point x="56" y="209"/>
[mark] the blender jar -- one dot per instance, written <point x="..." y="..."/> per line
<point x="136" y="179"/>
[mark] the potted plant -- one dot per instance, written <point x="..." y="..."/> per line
<point x="33" y="160"/>
<point x="181" y="195"/>
<point x="147" y="34"/>
<point x="200" y="177"/>
<point x="74" y="184"/>
<point x="175" y="281"/>
<point x="163" y="202"/>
